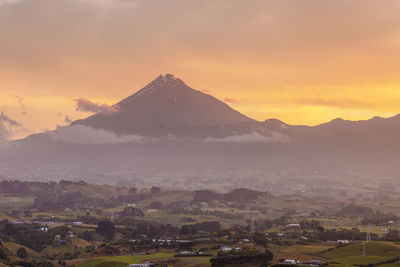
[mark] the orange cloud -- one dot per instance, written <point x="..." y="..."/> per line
<point x="230" y="100"/>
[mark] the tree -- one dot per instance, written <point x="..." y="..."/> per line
<point x="9" y="229"/>
<point x="65" y="183"/>
<point x="156" y="205"/>
<point x="133" y="191"/>
<point x="155" y="190"/>
<point x="106" y="229"/>
<point x="245" y="259"/>
<point x="4" y="253"/>
<point x="98" y="211"/>
<point x="209" y="226"/>
<point x="28" y="213"/>
<point x="21" y="253"/>
<point x="205" y="196"/>
<point x="260" y="239"/>
<point x="130" y="211"/>
<point x="87" y="235"/>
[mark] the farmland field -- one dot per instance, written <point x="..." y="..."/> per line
<point x="107" y="261"/>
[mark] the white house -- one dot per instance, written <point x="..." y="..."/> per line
<point x="225" y="248"/>
<point x="290" y="262"/>
<point x="142" y="265"/>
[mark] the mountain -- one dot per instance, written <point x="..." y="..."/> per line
<point x="212" y="140"/>
<point x="167" y="106"/>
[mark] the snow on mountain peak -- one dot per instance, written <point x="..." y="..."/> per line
<point x="162" y="81"/>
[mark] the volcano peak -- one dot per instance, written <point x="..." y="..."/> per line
<point x="168" y="103"/>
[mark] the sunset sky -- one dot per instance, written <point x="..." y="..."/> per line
<point x="301" y="61"/>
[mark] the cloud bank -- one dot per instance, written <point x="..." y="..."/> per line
<point x="80" y="134"/>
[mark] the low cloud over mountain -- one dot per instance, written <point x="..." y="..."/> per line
<point x="80" y="134"/>
<point x="86" y="105"/>
<point x="274" y="137"/>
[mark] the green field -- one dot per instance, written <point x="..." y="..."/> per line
<point x="52" y="251"/>
<point x="13" y="248"/>
<point x="375" y="252"/>
<point x="4" y="216"/>
<point x="7" y="202"/>
<point x="351" y="260"/>
<point x="176" y="219"/>
<point x="118" y="260"/>
<point x="191" y="262"/>
<point x="383" y="249"/>
<point x="307" y="249"/>
<point x="101" y="263"/>
<point x="396" y="264"/>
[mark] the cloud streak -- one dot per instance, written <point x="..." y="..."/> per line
<point x="7" y="125"/>
<point x="230" y="100"/>
<point x="9" y="1"/>
<point x="6" y="120"/>
<point x="83" y="104"/>
<point x="274" y="137"/>
<point x="339" y="103"/>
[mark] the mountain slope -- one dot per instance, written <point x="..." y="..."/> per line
<point x="162" y="107"/>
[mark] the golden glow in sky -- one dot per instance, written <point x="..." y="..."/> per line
<point x="301" y="61"/>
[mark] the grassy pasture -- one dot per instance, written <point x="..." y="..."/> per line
<point x="123" y="260"/>
<point x="4" y="216"/>
<point x="8" y="202"/>
<point x="395" y="264"/>
<point x="190" y="262"/>
<point x="52" y="251"/>
<point x="375" y="252"/>
<point x="13" y="248"/>
<point x="384" y="249"/>
<point x="101" y="263"/>
<point x="306" y="249"/>
<point x="351" y="260"/>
